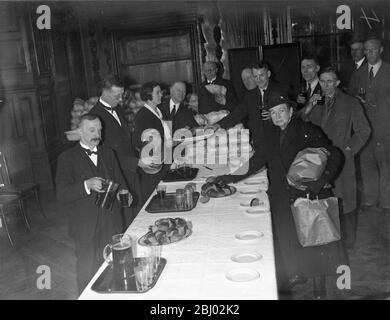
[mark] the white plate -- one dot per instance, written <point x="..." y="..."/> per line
<point x="249" y="192"/>
<point x="254" y="183"/>
<point x="249" y="236"/>
<point x="242" y="275"/>
<point x="246" y="257"/>
<point x="247" y="203"/>
<point x="257" y="210"/>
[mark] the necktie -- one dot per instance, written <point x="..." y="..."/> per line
<point x="90" y="152"/>
<point x="262" y="99"/>
<point x="173" y="112"/>
<point x="371" y="74"/>
<point x="308" y="94"/>
<point x="327" y="110"/>
<point x="356" y="66"/>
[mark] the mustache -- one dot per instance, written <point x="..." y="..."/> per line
<point x="96" y="139"/>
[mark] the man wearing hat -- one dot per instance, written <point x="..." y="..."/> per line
<point x="285" y="138"/>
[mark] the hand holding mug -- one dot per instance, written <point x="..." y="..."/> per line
<point x="96" y="184"/>
<point x="265" y="115"/>
<point x="315" y="98"/>
<point x="301" y="99"/>
<point x="125" y="197"/>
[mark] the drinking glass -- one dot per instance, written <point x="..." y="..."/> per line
<point x="362" y="93"/>
<point x="124" y="197"/>
<point x="141" y="277"/>
<point x="161" y="190"/>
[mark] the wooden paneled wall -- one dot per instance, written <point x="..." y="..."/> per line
<point x="37" y="85"/>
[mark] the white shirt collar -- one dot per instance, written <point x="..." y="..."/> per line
<point x="212" y="80"/>
<point x="376" y="67"/>
<point x="359" y="63"/>
<point x="86" y="147"/>
<point x="158" y="114"/>
<point x="171" y="104"/>
<point x="156" y="111"/>
<point x="313" y="84"/>
<point x="104" y="103"/>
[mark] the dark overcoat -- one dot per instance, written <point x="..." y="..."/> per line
<point x="291" y="258"/>
<point x="346" y="126"/>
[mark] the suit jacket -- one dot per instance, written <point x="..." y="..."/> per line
<point x="346" y="71"/>
<point x="206" y="100"/>
<point x="317" y="89"/>
<point x="184" y="117"/>
<point x="250" y="107"/>
<point x="118" y="138"/>
<point x="85" y="218"/>
<point x="347" y="116"/>
<point x="377" y="107"/>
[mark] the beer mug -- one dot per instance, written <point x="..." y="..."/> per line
<point x="121" y="248"/>
<point x="106" y="198"/>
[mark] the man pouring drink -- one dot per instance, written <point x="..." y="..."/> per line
<point x="81" y="175"/>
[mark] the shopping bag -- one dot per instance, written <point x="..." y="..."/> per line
<point x="308" y="165"/>
<point x="317" y="221"/>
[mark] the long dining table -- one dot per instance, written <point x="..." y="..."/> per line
<point x="204" y="265"/>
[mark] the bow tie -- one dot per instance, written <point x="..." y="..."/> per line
<point x="90" y="152"/>
<point x="109" y="109"/>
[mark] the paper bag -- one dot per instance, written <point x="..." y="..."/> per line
<point x="317" y="221"/>
<point x="308" y="165"/>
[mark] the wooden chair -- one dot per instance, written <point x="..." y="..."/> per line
<point x="16" y="168"/>
<point x="7" y="203"/>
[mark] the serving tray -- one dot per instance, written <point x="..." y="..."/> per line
<point x="175" y="175"/>
<point x="106" y="284"/>
<point x="168" y="204"/>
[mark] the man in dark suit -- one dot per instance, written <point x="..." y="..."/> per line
<point x="174" y="110"/>
<point x="254" y="101"/>
<point x="309" y="70"/>
<point x="358" y="60"/>
<point x="374" y="80"/>
<point x="80" y="172"/>
<point x="208" y="101"/>
<point x="116" y="135"/>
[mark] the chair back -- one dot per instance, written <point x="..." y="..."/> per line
<point x="15" y="160"/>
<point x="3" y="175"/>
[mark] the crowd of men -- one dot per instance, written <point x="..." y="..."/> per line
<point x="353" y="111"/>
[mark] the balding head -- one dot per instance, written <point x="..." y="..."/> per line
<point x="373" y="50"/>
<point x="210" y="70"/>
<point x="247" y="79"/>
<point x="178" y="92"/>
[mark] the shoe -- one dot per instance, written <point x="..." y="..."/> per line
<point x="319" y="288"/>
<point x="296" y="280"/>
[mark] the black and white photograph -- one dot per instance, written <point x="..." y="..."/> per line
<point x="199" y="152"/>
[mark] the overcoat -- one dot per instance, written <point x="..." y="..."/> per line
<point x="346" y="126"/>
<point x="291" y="258"/>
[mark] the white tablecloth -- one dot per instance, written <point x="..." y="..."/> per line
<point x="197" y="266"/>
